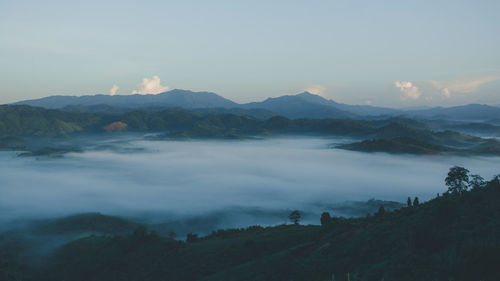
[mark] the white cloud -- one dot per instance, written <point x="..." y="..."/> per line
<point x="461" y="86"/>
<point x="319" y="90"/>
<point x="446" y="92"/>
<point x="150" y="86"/>
<point x="113" y="90"/>
<point x="408" y="90"/>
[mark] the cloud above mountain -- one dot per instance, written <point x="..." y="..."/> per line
<point x="408" y="90"/>
<point x="461" y="86"/>
<point x="319" y="90"/>
<point x="113" y="90"/>
<point x="150" y="86"/>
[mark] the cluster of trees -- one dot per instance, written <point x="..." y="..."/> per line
<point x="459" y="180"/>
<point x="415" y="202"/>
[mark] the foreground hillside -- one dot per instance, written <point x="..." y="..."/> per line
<point x="452" y="237"/>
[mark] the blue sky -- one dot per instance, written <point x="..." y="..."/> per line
<point x="392" y="53"/>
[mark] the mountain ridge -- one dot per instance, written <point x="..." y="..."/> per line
<point x="173" y="98"/>
<point x="302" y="105"/>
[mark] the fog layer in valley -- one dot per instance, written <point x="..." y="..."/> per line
<point x="134" y="177"/>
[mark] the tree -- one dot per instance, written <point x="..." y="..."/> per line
<point x="457" y="180"/>
<point x="381" y="210"/>
<point x="140" y="232"/>
<point x="191" y="237"/>
<point x="415" y="202"/>
<point x="326" y="219"/>
<point x="172" y="235"/>
<point x="476" y="181"/>
<point x="495" y="179"/>
<point x="294" y="217"/>
<point x="408" y="202"/>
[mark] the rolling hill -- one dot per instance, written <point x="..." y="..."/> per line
<point x="26" y="128"/>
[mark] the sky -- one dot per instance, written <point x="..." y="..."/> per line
<point x="386" y="53"/>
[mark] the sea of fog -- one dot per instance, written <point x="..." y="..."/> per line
<point x="131" y="176"/>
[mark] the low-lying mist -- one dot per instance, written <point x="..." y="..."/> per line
<point x="175" y="179"/>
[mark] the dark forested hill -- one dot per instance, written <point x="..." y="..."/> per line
<point x="451" y="237"/>
<point x="27" y="120"/>
<point x="387" y="135"/>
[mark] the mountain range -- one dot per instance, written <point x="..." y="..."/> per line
<point x="303" y="105"/>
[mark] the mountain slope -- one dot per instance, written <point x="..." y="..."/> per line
<point x="173" y="98"/>
<point x="303" y="105"/>
<point x="362" y="110"/>
<point x="451" y="237"/>
<point x="22" y="126"/>
<point x="17" y="120"/>
<point x="465" y="112"/>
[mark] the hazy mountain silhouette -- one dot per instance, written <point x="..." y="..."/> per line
<point x="464" y="112"/>
<point x="303" y="105"/>
<point x="173" y="98"/>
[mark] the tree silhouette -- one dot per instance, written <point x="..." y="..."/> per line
<point x="140" y="232"/>
<point x="476" y="181"/>
<point x="408" y="202"/>
<point x="294" y="217"/>
<point x="326" y="219"/>
<point x="415" y="202"/>
<point x="495" y="179"/>
<point x="191" y="237"/>
<point x="457" y="180"/>
<point x="381" y="211"/>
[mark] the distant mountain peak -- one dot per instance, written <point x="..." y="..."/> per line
<point x="314" y="98"/>
<point x="306" y="93"/>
